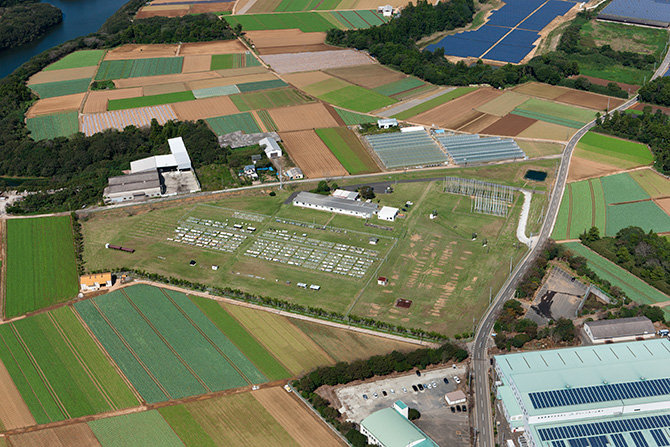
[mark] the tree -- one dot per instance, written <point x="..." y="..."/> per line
<point x="413" y="414"/>
<point x="564" y="330"/>
<point x="366" y="192"/>
<point x="589" y="236"/>
<point x="527" y="326"/>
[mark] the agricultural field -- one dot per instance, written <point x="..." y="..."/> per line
<point x="78" y="59"/>
<point x="164" y="244"/>
<point x="307" y="22"/>
<point x="302" y="117"/>
<point x="316" y="60"/>
<point x="160" y="8"/>
<point x="269" y="99"/>
<point x="60" y="88"/>
<point x="135" y="68"/>
<point x="41" y="265"/>
<point x="348" y="150"/>
<point x="135" y="430"/>
<point x="45" y="127"/>
<point x="434" y="102"/>
<point x="311" y="154"/>
<point x="59" y="370"/>
<point x="353" y="118"/>
<point x="230" y="123"/>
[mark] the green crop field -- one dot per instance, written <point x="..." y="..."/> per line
<point x="78" y="59"/>
<point x="261" y="85"/>
<point x="560" y="231"/>
<point x="600" y="218"/>
<point x="222" y="125"/>
<point x="226" y="61"/>
<point x="244" y="341"/>
<point x="135" y="430"/>
<point x="556" y="113"/>
<point x="348" y="150"/>
<point x="432" y="103"/>
<point x="151" y="100"/>
<point x="48" y="127"/>
<point x="352" y="118"/>
<point x="581" y="218"/>
<point x="60" y="88"/>
<point x="646" y="215"/>
<point x="653" y="183"/>
<point x="357" y="98"/>
<point x="399" y="86"/>
<point x="614" y="151"/>
<point x="350" y="19"/>
<point x="268" y="99"/>
<point x="133" y="68"/>
<point x="305" y="21"/>
<point x="186" y="426"/>
<point x="622" y="188"/>
<point x="633" y="287"/>
<point x="41" y="264"/>
<point x="267" y="120"/>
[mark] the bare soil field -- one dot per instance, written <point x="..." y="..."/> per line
<point x="540" y="148"/>
<point x="216" y="47"/>
<point x="306" y="116"/>
<point x="284" y="37"/>
<point x="177" y="10"/>
<point x="368" y="76"/>
<point x="97" y="99"/>
<point x="145" y="13"/>
<point x="56" y="104"/>
<point x="241" y="71"/>
<point x="664" y="204"/>
<point x="548" y="131"/>
<point x="589" y="100"/>
<point x="14" y="412"/>
<point x="297" y="49"/>
<point x="303" y="426"/>
<point x="504" y="104"/>
<point x="204" y="108"/>
<point x="311" y="154"/>
<point x="194" y="63"/>
<point x="581" y="168"/>
<point x="479" y="124"/>
<point x="458" y="112"/>
<point x="68" y="435"/>
<point x="510" y="125"/>
<point x="211" y="7"/>
<point x="541" y="90"/>
<point x="136" y="51"/>
<point x="164" y="88"/>
<point x="630" y="88"/>
<point x="219" y="82"/>
<point x="311" y="61"/>
<point x="66" y="74"/>
<point x="164" y="79"/>
<point x="302" y="80"/>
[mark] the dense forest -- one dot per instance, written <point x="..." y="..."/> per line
<point x="394" y="44"/>
<point x="76" y="168"/>
<point x="645" y="255"/>
<point x="649" y="128"/>
<point x="22" y="21"/>
<point x="656" y="91"/>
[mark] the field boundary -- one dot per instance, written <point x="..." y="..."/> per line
<point x="3" y="267"/>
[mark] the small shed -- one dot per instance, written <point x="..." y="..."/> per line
<point x="387" y="123"/>
<point x="271" y="148"/>
<point x="455" y="397"/>
<point x="382" y="281"/>
<point x="373" y="240"/>
<point x="388" y="213"/>
<point x="255" y="158"/>
<point x="386" y="10"/>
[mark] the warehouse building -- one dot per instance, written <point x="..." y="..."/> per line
<point x="271" y="148"/>
<point x="95" y="281"/>
<point x="391" y="427"/>
<point x="620" y="329"/>
<point x="607" y="395"/>
<point x="177" y="159"/>
<point x="388" y="213"/>
<point x="133" y="187"/>
<point x="331" y="204"/>
<point x="638" y="12"/>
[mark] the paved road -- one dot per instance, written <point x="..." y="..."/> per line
<point x="483" y="423"/>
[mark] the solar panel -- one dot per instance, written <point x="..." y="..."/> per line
<point x="660" y="438"/>
<point x="543" y="16"/>
<point x="600" y="393"/>
<point x="605" y="427"/>
<point x="619" y="441"/>
<point x="638" y="439"/>
<point x="650" y="11"/>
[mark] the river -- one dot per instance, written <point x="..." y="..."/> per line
<point x="80" y="17"/>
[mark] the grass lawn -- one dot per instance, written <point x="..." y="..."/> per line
<point x="41" y="264"/>
<point x="213" y="177"/>
<point x="152" y="100"/>
<point x="614" y="151"/>
<point x="135" y="430"/>
<point x="348" y="150"/>
<point x="560" y="231"/>
<point x="357" y="98"/>
<point x="82" y="58"/>
<point x="432" y="103"/>
<point x="48" y="127"/>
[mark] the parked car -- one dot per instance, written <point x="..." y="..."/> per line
<point x="404" y="390"/>
<point x="464" y="408"/>
<point x="453" y="410"/>
<point x="384" y="393"/>
<point x="365" y="397"/>
<point x="420" y="387"/>
<point x="415" y="388"/>
<point x="418" y="373"/>
<point x="392" y="391"/>
<point x="456" y="379"/>
<point x="458" y="408"/>
<point x="376" y="395"/>
<point x="446" y="380"/>
<point x="434" y="384"/>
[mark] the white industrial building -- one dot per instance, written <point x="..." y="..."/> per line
<point x="388" y="213"/>
<point x="335" y="205"/>
<point x="387" y="123"/>
<point x="620" y="329"/>
<point x="177" y="159"/>
<point x="271" y="148"/>
<point x="391" y="427"/>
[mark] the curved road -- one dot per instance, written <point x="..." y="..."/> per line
<point x="483" y="422"/>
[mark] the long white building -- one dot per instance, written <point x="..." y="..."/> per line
<point x="335" y="205"/>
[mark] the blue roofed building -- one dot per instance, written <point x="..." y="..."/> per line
<point x="642" y="12"/>
<point x="391" y="427"/>
<point x="609" y="395"/>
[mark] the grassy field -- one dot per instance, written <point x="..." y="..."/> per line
<point x="135" y="430"/>
<point x="432" y="103"/>
<point x="653" y="183"/>
<point x="268" y="99"/>
<point x="51" y="126"/>
<point x="357" y="98"/>
<point x="151" y="100"/>
<point x="307" y="22"/>
<point x="60" y="88"/>
<point x="623" y="154"/>
<point x="41" y="264"/>
<point x="134" y="68"/>
<point x="81" y="58"/>
<point x="222" y="125"/>
<point x="352" y="118"/>
<point x="348" y="150"/>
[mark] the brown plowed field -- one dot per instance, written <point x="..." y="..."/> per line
<point x="311" y="154"/>
<point x="194" y="63"/>
<point x="97" y="99"/>
<point x="504" y="104"/>
<point x="145" y="14"/>
<point x="204" y="108"/>
<point x="75" y="435"/>
<point x="56" y="104"/>
<point x="298" y="421"/>
<point x="302" y="80"/>
<point x="136" y="51"/>
<point x="66" y="74"/>
<point x="164" y="88"/>
<point x="217" y="47"/>
<point x="241" y="71"/>
<point x="458" y="112"/>
<point x="164" y="79"/>
<point x="654" y="108"/>
<point x="630" y="88"/>
<point x="207" y="83"/>
<point x="306" y="116"/>
<point x="541" y="90"/>
<point x="548" y="131"/>
<point x="510" y="125"/>
<point x="664" y="204"/>
<point x="480" y="123"/>
<point x="296" y="49"/>
<point x="278" y="38"/>
<point x="589" y="100"/>
<point x="14" y="412"/>
<point x="211" y="7"/>
<point x="368" y="76"/>
<point x="581" y="168"/>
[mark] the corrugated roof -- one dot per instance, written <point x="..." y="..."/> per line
<point x="334" y="202"/>
<point x="394" y="430"/>
<point x="133" y="182"/>
<point x="621" y="327"/>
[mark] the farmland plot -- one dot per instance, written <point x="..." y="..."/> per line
<point x="135" y="430"/>
<point x="348" y="150"/>
<point x="301" y="117"/>
<point x="45" y="127"/>
<point x="311" y="154"/>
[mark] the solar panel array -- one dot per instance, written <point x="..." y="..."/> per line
<point x="475" y="149"/>
<point x="616" y="429"/>
<point x="600" y="393"/>
<point x="397" y="150"/>
<point x="649" y="12"/>
<point x="510" y="32"/>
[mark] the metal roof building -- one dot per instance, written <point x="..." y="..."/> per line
<point x="620" y="329"/>
<point x="135" y="186"/>
<point x="335" y="205"/>
<point x="390" y="427"/>
<point x="605" y="395"/>
<point x="177" y="159"/>
<point x="643" y="12"/>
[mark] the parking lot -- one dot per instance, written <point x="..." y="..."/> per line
<point x="447" y="428"/>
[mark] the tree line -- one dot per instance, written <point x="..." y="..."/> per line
<point x="22" y="21"/>
<point x="656" y="91"/>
